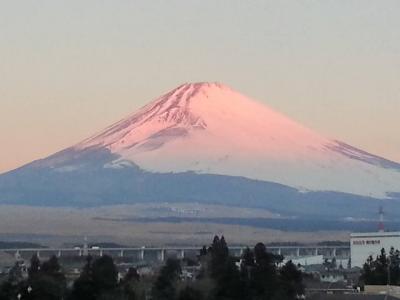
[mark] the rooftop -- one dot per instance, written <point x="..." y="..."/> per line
<point x="375" y="234"/>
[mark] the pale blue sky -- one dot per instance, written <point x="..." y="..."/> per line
<point x="70" y="68"/>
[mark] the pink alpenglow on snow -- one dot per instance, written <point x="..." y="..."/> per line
<point x="210" y="128"/>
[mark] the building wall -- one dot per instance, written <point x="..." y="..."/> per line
<point x="363" y="245"/>
<point x="383" y="289"/>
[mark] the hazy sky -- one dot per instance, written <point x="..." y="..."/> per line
<point x="70" y="68"/>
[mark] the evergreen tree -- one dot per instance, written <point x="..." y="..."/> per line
<point x="264" y="277"/>
<point x="246" y="269"/>
<point x="228" y="282"/>
<point x="375" y="272"/>
<point x="105" y="274"/>
<point x="223" y="269"/>
<point x="99" y="278"/>
<point x="34" y="267"/>
<point x="394" y="261"/>
<point x="219" y="256"/>
<point x="203" y="251"/>
<point x="164" y="287"/>
<point x="83" y="288"/>
<point x="291" y="280"/>
<point x="129" y="283"/>
<point x="52" y="269"/>
<point x="45" y="281"/>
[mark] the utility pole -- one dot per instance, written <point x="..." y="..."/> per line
<point x="388" y="278"/>
<point x="85" y="247"/>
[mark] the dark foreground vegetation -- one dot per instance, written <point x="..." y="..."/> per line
<point x="257" y="275"/>
<point x="384" y="269"/>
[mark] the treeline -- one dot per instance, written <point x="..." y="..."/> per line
<point x="257" y="275"/>
<point x="19" y="245"/>
<point x="384" y="269"/>
<point x="45" y="281"/>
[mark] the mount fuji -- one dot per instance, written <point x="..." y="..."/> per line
<point x="206" y="143"/>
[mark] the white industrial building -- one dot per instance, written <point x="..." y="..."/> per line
<point x="306" y="260"/>
<point x="362" y="245"/>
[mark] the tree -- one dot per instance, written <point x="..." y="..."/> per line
<point x="219" y="254"/>
<point x="105" y="274"/>
<point x="291" y="280"/>
<point x="247" y="264"/>
<point x="131" y="275"/>
<point x="52" y="269"/>
<point x="34" y="267"/>
<point x="376" y="271"/>
<point x="394" y="263"/>
<point x="228" y="282"/>
<point x="203" y="251"/>
<point x="98" y="279"/>
<point x="224" y="272"/>
<point x="15" y="275"/>
<point x="45" y="281"/>
<point x="83" y="288"/>
<point x="129" y="283"/>
<point x="164" y="286"/>
<point x="265" y="278"/>
<point x="189" y="293"/>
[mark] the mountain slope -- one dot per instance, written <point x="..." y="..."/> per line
<point x="209" y="128"/>
<point x="205" y="142"/>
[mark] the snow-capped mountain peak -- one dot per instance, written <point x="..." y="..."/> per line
<point x="200" y="106"/>
<point x="207" y="143"/>
<point x="210" y="128"/>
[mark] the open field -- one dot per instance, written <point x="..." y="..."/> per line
<point x="56" y="226"/>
